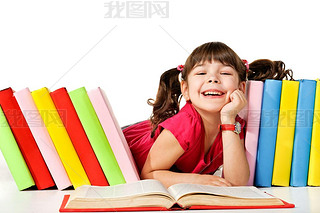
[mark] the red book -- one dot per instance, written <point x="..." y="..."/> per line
<point x="25" y="140"/>
<point x="78" y="137"/>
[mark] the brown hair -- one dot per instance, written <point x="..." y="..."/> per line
<point x="263" y="69"/>
<point x="168" y="97"/>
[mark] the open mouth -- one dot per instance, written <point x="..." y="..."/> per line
<point x="212" y="93"/>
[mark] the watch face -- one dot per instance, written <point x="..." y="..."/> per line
<point x="237" y="127"/>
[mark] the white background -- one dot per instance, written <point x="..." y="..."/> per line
<point x="71" y="44"/>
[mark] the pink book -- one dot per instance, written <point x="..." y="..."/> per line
<point x="42" y="138"/>
<point x="254" y="98"/>
<point x="114" y="134"/>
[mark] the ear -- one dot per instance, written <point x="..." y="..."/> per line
<point x="184" y="90"/>
<point x="242" y="86"/>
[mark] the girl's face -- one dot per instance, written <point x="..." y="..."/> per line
<point x="209" y="86"/>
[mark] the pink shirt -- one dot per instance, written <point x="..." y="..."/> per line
<point x="188" y="129"/>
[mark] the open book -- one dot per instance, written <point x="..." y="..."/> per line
<point x="152" y="195"/>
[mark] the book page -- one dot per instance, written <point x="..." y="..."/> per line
<point x="143" y="187"/>
<point x="180" y="190"/>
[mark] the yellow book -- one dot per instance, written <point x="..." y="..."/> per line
<point x="314" y="163"/>
<point x="60" y="138"/>
<point x="285" y="133"/>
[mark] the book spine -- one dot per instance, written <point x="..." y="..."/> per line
<point x="254" y="97"/>
<point x="78" y="137"/>
<point x="314" y="168"/>
<point x="115" y="137"/>
<point x="60" y="138"/>
<point x="11" y="153"/>
<point x="42" y="138"/>
<point x="285" y="134"/>
<point x="96" y="135"/>
<point x="303" y="131"/>
<point x="25" y="140"/>
<point x="268" y="132"/>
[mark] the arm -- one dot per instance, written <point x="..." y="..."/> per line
<point x="163" y="154"/>
<point x="235" y="164"/>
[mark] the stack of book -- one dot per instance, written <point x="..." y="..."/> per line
<point x="72" y="138"/>
<point x="63" y="138"/>
<point x="282" y="139"/>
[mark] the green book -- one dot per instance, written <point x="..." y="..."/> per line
<point x="96" y="136"/>
<point x="13" y="156"/>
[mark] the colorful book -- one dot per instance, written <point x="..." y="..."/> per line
<point x="151" y="195"/>
<point x="303" y="132"/>
<point x="268" y="132"/>
<point x="11" y="153"/>
<point x="244" y="111"/>
<point x="42" y="138"/>
<point x="25" y="140"/>
<point x="285" y="133"/>
<point x="254" y="97"/>
<point x="314" y="161"/>
<point x="60" y="138"/>
<point x="78" y="137"/>
<point x="96" y="135"/>
<point x="114" y="134"/>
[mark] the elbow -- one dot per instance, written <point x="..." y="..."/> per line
<point x="242" y="180"/>
<point x="146" y="175"/>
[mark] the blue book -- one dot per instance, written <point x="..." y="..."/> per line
<point x="268" y="132"/>
<point x="303" y="132"/>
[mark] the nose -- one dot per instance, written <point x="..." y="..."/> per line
<point x="213" y="79"/>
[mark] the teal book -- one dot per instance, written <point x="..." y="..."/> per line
<point x="268" y="132"/>
<point x="303" y="132"/>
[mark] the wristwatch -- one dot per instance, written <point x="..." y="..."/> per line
<point x="236" y="127"/>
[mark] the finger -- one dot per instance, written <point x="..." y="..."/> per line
<point x="240" y="96"/>
<point x="218" y="183"/>
<point x="235" y="97"/>
<point x="223" y="182"/>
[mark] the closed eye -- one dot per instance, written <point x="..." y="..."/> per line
<point x="201" y="73"/>
<point x="226" y="73"/>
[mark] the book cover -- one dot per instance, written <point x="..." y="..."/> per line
<point x="78" y="137"/>
<point x="268" y="132"/>
<point x="11" y="153"/>
<point x="303" y="131"/>
<point x="60" y="138"/>
<point x="285" y="133"/>
<point x="147" y="195"/>
<point x="314" y="161"/>
<point x="42" y="138"/>
<point x="25" y="140"/>
<point x="254" y="98"/>
<point x="96" y="136"/>
<point x="114" y="134"/>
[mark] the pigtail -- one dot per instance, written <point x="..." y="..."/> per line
<point x="168" y="98"/>
<point x="263" y="69"/>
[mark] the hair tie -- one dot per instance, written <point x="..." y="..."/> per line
<point x="180" y="67"/>
<point x="246" y="64"/>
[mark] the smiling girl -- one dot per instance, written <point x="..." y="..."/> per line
<point x="189" y="145"/>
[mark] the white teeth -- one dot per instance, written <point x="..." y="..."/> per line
<point x="212" y="93"/>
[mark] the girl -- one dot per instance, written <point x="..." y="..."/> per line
<point x="189" y="145"/>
